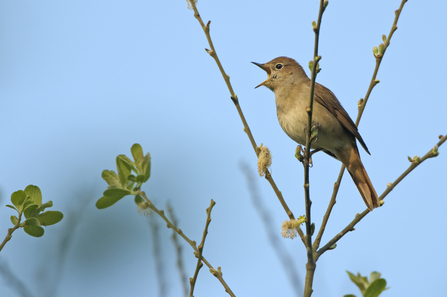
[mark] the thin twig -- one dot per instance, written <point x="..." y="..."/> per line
<point x="217" y="273"/>
<point x="178" y="249"/>
<point x="10" y="231"/>
<point x="361" y="108"/>
<point x="350" y="226"/>
<point x="379" y="58"/>
<point x="201" y="246"/>
<point x="332" y="202"/>
<point x="212" y="52"/>
<point x="310" y="266"/>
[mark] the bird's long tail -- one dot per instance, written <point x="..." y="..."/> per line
<point x="361" y="179"/>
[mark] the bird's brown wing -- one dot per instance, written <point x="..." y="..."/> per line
<point x="331" y="103"/>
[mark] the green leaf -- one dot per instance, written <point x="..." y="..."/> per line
<point x="137" y="153"/>
<point x="146" y="167"/>
<point x="111" y="178"/>
<point x="374" y="275"/>
<point x="349" y="295"/>
<point x="33" y="228"/>
<point x="111" y="196"/>
<point x="105" y="202"/>
<point x="116" y="193"/>
<point x="27" y="203"/>
<point x="138" y="199"/>
<point x="129" y="162"/>
<point x="31" y="211"/>
<point x="360" y="282"/>
<point x="34" y="194"/>
<point x="124" y="169"/>
<point x="50" y="217"/>
<point x="375" y="288"/>
<point x="140" y="179"/>
<point x="45" y="205"/>
<point x="132" y="178"/>
<point x="14" y="220"/>
<point x="18" y="198"/>
<point x="130" y="185"/>
<point x="13" y="207"/>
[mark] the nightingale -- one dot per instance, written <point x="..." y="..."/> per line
<point x="336" y="130"/>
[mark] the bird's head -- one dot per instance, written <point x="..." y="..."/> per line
<point x="281" y="71"/>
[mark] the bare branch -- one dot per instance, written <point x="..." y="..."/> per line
<point x="201" y="246"/>
<point x="310" y="266"/>
<point x="10" y="231"/>
<point x="431" y="154"/>
<point x="192" y="243"/>
<point x="212" y="52"/>
<point x="361" y="105"/>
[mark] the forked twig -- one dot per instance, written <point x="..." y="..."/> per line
<point x="200" y="248"/>
<point x="217" y="273"/>
<point x="431" y="154"/>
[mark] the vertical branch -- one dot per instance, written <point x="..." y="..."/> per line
<point x="310" y="266"/>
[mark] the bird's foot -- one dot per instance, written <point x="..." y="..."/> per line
<point x="299" y="153"/>
<point x="315" y="128"/>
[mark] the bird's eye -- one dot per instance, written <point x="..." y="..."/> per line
<point x="278" y="66"/>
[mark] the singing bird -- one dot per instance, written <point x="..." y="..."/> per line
<point x="336" y="130"/>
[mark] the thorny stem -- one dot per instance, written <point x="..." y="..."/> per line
<point x="212" y="52"/>
<point x="362" y="105"/>
<point x="192" y="243"/>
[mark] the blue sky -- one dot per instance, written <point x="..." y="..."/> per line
<point x="80" y="82"/>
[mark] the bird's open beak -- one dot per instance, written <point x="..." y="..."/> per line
<point x="266" y="69"/>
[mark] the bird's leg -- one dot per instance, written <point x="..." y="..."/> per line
<point x="315" y="128"/>
<point x="299" y="152"/>
<point x="315" y="151"/>
<point x="311" y="154"/>
<point x="298" y="155"/>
